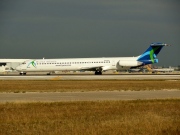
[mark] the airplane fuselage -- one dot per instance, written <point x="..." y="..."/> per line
<point x="75" y="64"/>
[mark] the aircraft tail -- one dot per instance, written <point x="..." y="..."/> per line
<point x="150" y="55"/>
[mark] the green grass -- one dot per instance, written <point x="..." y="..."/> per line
<point x="90" y="85"/>
<point x="145" y="117"/>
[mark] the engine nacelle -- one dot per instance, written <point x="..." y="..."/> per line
<point x="129" y="63"/>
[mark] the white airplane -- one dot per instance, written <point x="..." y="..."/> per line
<point x="98" y="65"/>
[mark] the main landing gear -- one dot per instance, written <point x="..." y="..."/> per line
<point x="22" y="73"/>
<point x="98" y="73"/>
<point x="48" y="73"/>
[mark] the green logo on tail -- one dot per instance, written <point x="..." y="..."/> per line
<point x="153" y="54"/>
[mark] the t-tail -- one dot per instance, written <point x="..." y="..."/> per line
<point x="150" y="55"/>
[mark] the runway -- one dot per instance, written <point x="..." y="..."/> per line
<point x="88" y="96"/>
<point x="90" y="77"/>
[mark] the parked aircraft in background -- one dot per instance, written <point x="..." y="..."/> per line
<point x="8" y="65"/>
<point x="152" y="69"/>
<point x="98" y="65"/>
<point x="164" y="70"/>
<point x="12" y="60"/>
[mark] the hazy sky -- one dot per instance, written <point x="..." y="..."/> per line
<point x="89" y="28"/>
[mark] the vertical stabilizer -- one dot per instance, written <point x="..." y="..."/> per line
<point x="150" y="55"/>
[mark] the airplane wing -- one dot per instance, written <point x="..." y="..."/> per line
<point x="100" y="68"/>
<point x="91" y="68"/>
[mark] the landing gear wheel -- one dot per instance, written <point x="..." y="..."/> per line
<point x="98" y="73"/>
<point x="22" y="73"/>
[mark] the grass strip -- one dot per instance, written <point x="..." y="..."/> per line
<point x="84" y="85"/>
<point x="91" y="118"/>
